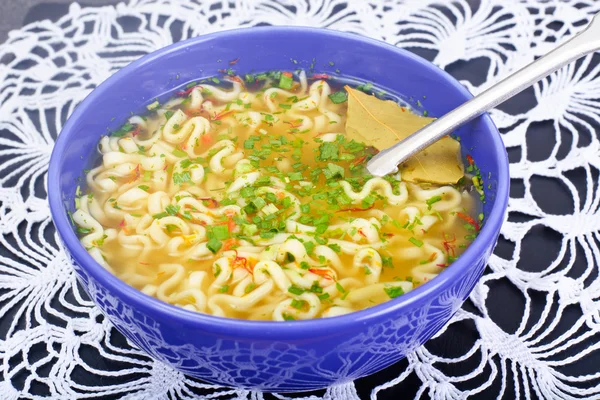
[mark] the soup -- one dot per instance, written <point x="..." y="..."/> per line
<point x="249" y="199"/>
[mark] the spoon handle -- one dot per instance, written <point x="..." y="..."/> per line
<point x="585" y="42"/>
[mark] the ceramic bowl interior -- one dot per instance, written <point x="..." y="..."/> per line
<point x="276" y="356"/>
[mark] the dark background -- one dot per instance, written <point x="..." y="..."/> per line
<point x="507" y="303"/>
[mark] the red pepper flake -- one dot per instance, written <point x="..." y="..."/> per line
<point x="356" y="209"/>
<point x="403" y="109"/>
<point x="293" y="124"/>
<point x="469" y="220"/>
<point x="238" y="262"/>
<point x="236" y="79"/>
<point x="448" y="246"/>
<point x="432" y="256"/>
<point x="359" y="160"/>
<point x="361" y="233"/>
<point x="470" y="159"/>
<point x="321" y="272"/>
<point x="320" y="76"/>
<point x="186" y="92"/>
<point x="122" y="224"/>
<point x="288" y="74"/>
<point x="192" y="113"/>
<point x="230" y="244"/>
<point x="441" y="265"/>
<point x="135" y="174"/>
<point x="221" y="115"/>
<point x="136" y="131"/>
<point x="144" y="263"/>
<point x="233" y="62"/>
<point x="212" y="203"/>
<point x="206" y="139"/>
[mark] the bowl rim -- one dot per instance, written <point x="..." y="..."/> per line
<point x="263" y="329"/>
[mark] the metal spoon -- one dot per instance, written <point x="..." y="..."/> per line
<point x="587" y="41"/>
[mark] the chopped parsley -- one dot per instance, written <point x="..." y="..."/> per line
<point x="393" y="291"/>
<point x="182" y="177"/>
<point x="338" y="97"/>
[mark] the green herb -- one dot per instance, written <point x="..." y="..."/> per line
<point x="366" y="87"/>
<point x="285" y="106"/>
<point x="182" y="177"/>
<point x="324" y="296"/>
<point x="315" y="288"/>
<point x="171" y="209"/>
<point x="169" y="114"/>
<point x="295" y="290"/>
<point x="288" y="317"/>
<point x="329" y="151"/>
<point x="224" y="289"/>
<point x="171" y="227"/>
<point x="286" y="82"/>
<point x="416" y="242"/>
<point x="335" y="247"/>
<point x="304" y="265"/>
<point x="219" y="232"/>
<point x="249" y="288"/>
<point x="259" y="203"/>
<point x="338" y="97"/>
<point x="123" y="130"/>
<point x="84" y="231"/>
<point x="295" y="176"/>
<point x="267" y="235"/>
<point x="160" y="215"/>
<point x="340" y="288"/>
<point x="247" y="191"/>
<point x="217" y="270"/>
<point x="144" y="187"/>
<point x="393" y="291"/>
<point x="334" y="170"/>
<point x="298" y="304"/>
<point x="432" y="200"/>
<point x="214" y="245"/>
<point x="215" y="80"/>
<point x="387" y="261"/>
<point x="368" y="201"/>
<point x="309" y="246"/>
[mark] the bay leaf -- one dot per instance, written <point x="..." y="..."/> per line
<point x="383" y="123"/>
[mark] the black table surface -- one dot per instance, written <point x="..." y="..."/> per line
<point x="506" y="307"/>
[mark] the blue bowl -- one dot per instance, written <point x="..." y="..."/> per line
<point x="276" y="356"/>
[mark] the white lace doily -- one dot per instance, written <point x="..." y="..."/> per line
<point x="530" y="328"/>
